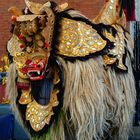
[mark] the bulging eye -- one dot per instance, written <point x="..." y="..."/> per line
<point x="40" y="65"/>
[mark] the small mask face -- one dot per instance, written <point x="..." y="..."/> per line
<point x="34" y="57"/>
<point x="31" y="65"/>
<point x="30" y="44"/>
<point x="28" y="47"/>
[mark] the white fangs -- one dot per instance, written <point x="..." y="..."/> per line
<point x="38" y="72"/>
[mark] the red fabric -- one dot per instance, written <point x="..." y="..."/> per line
<point x="133" y="12"/>
<point x="129" y="12"/>
<point x="2" y="92"/>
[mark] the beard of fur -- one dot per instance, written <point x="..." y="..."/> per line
<point x="12" y="94"/>
<point x="11" y="89"/>
<point x="97" y="100"/>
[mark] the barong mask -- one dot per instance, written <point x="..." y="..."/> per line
<point x="66" y="71"/>
<point x="30" y="47"/>
<point x="30" y="44"/>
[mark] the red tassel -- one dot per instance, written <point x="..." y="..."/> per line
<point x="46" y="45"/>
<point x="20" y="37"/>
<point x="21" y="46"/>
<point x="14" y="18"/>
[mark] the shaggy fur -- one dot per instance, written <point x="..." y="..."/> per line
<point x="98" y="101"/>
<point x="12" y="94"/>
<point x="87" y="98"/>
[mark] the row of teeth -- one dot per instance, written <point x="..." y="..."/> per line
<point x="38" y="72"/>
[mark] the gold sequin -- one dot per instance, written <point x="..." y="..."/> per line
<point x="109" y="60"/>
<point x="118" y="51"/>
<point x="78" y="39"/>
<point x="25" y="97"/>
<point x="39" y="115"/>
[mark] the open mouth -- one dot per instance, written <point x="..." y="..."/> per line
<point x="35" y="71"/>
<point x="35" y="74"/>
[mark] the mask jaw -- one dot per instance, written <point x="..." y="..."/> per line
<point x="36" y="71"/>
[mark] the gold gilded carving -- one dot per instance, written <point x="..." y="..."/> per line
<point x="62" y="7"/>
<point x="39" y="115"/>
<point x="110" y="14"/>
<point x="20" y="60"/>
<point x="25" y="97"/>
<point x="33" y="7"/>
<point x="78" y="39"/>
<point x="47" y="32"/>
<point x="13" y="45"/>
<point x="118" y="51"/>
<point x="15" y="11"/>
<point x="28" y="17"/>
<point x="108" y="60"/>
